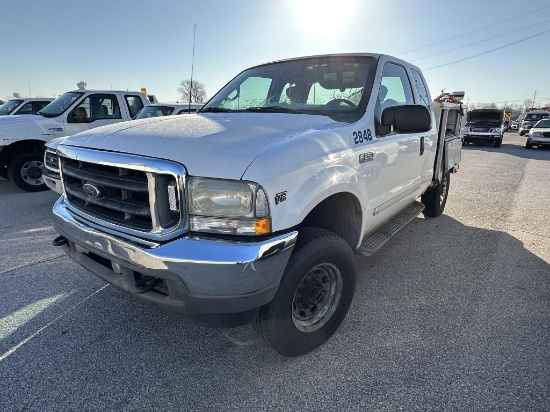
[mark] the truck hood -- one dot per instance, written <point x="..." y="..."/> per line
<point x="210" y="145"/>
<point x="485" y="116"/>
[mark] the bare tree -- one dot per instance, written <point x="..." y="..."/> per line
<point x="195" y="93"/>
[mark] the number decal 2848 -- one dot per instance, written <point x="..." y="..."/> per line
<point x="362" y="136"/>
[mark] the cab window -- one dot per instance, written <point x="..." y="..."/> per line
<point x="421" y="88"/>
<point x="134" y="103"/>
<point x="95" y="107"/>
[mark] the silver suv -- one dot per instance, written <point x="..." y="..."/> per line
<point x="531" y="118"/>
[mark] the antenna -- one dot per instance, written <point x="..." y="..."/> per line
<point x="192" y="65"/>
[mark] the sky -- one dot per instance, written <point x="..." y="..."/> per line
<point x="496" y="51"/>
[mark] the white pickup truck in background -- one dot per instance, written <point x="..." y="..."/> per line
<point x="252" y="209"/>
<point x="23" y="138"/>
<point x="24" y="105"/>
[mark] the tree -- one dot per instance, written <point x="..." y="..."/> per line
<point x="194" y="94"/>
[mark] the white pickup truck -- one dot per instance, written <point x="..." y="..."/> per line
<point x="252" y="209"/>
<point x="23" y="138"/>
<point x="24" y="105"/>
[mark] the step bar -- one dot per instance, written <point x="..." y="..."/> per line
<point x="383" y="234"/>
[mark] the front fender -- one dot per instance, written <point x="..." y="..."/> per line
<point x="28" y="127"/>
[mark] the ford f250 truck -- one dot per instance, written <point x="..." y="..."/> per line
<point x="252" y="209"/>
<point x="23" y="138"/>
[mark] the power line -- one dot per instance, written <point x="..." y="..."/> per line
<point x="488" y="51"/>
<point x="474" y="31"/>
<point x="481" y="41"/>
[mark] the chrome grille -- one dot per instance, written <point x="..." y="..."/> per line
<point x="51" y="160"/>
<point x="125" y="192"/>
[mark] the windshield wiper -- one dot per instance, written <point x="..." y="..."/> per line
<point x="214" y="110"/>
<point x="272" y="109"/>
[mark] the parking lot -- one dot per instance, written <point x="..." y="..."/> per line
<point x="452" y="314"/>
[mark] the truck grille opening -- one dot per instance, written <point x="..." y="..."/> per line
<point x="51" y="160"/>
<point x="143" y="201"/>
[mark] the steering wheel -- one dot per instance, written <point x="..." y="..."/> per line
<point x="336" y="103"/>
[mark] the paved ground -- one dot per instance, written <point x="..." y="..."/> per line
<point x="452" y="314"/>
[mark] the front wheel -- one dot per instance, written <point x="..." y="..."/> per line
<point x="314" y="296"/>
<point x="25" y="171"/>
<point x="434" y="199"/>
<point x="497" y="143"/>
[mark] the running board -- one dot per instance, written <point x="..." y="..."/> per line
<point x="382" y="235"/>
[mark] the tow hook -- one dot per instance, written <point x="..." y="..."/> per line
<point x="146" y="284"/>
<point x="59" y="241"/>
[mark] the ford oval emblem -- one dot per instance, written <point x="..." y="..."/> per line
<point x="91" y="190"/>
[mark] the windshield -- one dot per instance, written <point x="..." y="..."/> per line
<point x="154" y="111"/>
<point x="60" y="104"/>
<point x="533" y="117"/>
<point x="333" y="86"/>
<point x="543" y="123"/>
<point x="9" y="107"/>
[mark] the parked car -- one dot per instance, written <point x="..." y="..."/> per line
<point x="539" y="134"/>
<point x="513" y="125"/>
<point x="484" y="125"/>
<point x="24" y="106"/>
<point x="166" y="109"/>
<point x="532" y="116"/>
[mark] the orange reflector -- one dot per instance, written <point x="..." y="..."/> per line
<point x="262" y="226"/>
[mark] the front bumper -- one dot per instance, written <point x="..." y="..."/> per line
<point x="52" y="180"/>
<point x="538" y="140"/>
<point x="482" y="137"/>
<point x="211" y="281"/>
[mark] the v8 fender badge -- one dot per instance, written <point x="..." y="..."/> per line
<point x="280" y="197"/>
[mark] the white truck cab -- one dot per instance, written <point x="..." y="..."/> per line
<point x="23" y="138"/>
<point x="252" y="209"/>
<point x="24" y="105"/>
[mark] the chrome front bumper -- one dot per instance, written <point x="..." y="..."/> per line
<point x="203" y="276"/>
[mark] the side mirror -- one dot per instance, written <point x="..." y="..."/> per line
<point x="414" y="118"/>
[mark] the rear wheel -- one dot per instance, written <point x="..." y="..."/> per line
<point x="314" y="296"/>
<point x="25" y="171"/>
<point x="434" y="200"/>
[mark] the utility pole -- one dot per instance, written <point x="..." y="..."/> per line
<point x="534" y="97"/>
<point x="192" y="65"/>
<point x="29" y="80"/>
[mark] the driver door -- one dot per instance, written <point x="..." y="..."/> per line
<point x="95" y="110"/>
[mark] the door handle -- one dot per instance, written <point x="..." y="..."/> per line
<point x="421" y="145"/>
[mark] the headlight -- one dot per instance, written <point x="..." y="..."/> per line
<point x="536" y="134"/>
<point x="228" y="206"/>
<point x="496" y="130"/>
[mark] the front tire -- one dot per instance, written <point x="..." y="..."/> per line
<point x="497" y="143"/>
<point x="314" y="296"/>
<point x="25" y="171"/>
<point x="435" y="199"/>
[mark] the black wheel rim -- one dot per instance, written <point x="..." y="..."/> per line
<point x="317" y="297"/>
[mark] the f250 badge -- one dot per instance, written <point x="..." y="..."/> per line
<point x="280" y="197"/>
